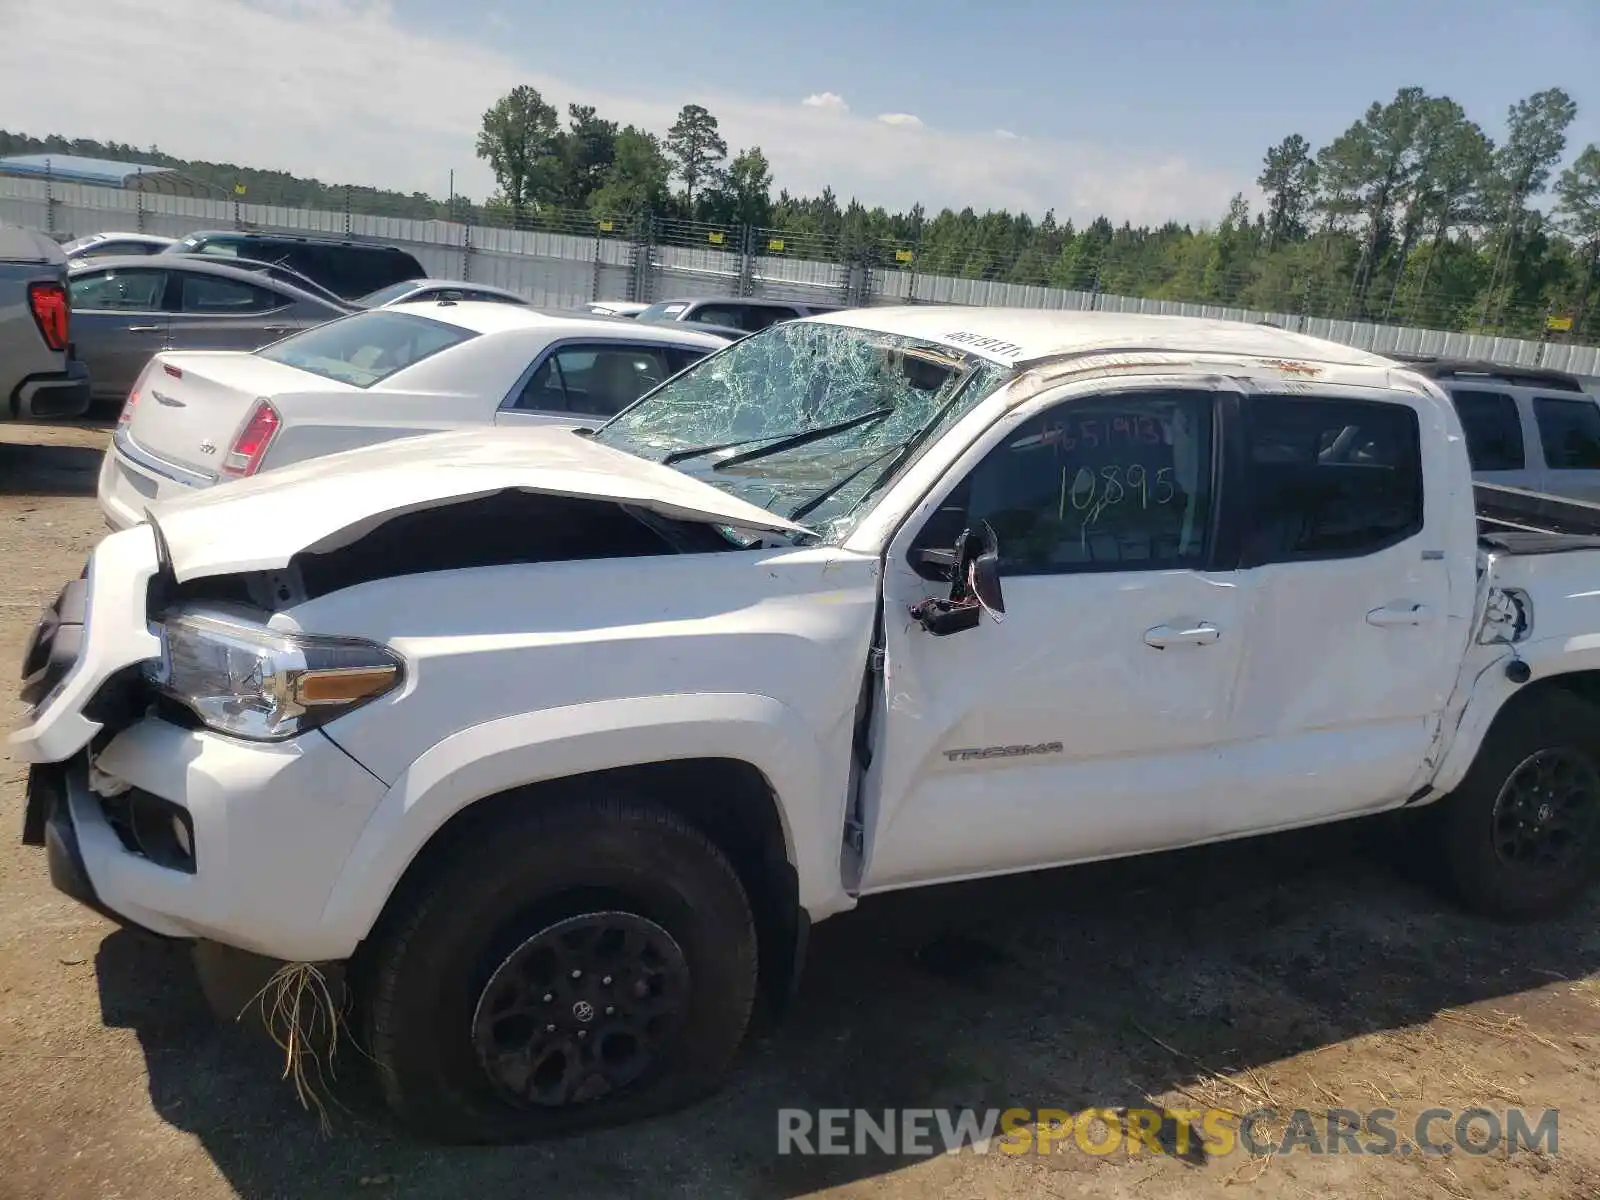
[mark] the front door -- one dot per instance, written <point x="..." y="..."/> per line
<point x="1088" y="721"/>
<point x="1497" y="442"/>
<point x="118" y="322"/>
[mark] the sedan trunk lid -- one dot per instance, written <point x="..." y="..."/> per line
<point x="192" y="404"/>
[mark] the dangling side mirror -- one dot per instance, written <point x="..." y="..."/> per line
<point x="983" y="576"/>
<point x="974" y="586"/>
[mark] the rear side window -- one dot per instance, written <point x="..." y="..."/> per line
<point x="208" y="294"/>
<point x="1330" y="478"/>
<point x="367" y="347"/>
<point x="1493" y="429"/>
<point x="1569" y="431"/>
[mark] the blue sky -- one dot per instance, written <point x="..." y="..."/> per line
<point x="1144" y="110"/>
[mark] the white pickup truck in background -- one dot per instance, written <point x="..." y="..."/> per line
<point x="556" y="742"/>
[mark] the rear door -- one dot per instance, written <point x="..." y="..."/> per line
<point x="1569" y="435"/>
<point x="1355" y="638"/>
<point x="118" y="321"/>
<point x="586" y="381"/>
<point x="210" y="312"/>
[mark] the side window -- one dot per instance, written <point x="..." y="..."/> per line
<point x="1493" y="429"/>
<point x="108" y="249"/>
<point x="734" y="316"/>
<point x="680" y="357"/>
<point x="118" y="290"/>
<point x="209" y="295"/>
<point x="1569" y="431"/>
<point x="1331" y="478"/>
<point x="595" y="380"/>
<point x="546" y="389"/>
<point x="1114" y="483"/>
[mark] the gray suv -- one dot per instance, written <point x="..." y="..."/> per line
<point x="39" y="377"/>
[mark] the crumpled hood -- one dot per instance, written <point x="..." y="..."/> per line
<point x="261" y="523"/>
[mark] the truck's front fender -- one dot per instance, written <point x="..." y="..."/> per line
<point x="1548" y="659"/>
<point x="529" y="748"/>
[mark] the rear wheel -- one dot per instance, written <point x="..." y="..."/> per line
<point x="1521" y="835"/>
<point x="588" y="964"/>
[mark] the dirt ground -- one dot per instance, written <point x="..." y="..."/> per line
<point x="1308" y="972"/>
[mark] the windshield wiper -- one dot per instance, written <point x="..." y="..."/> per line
<point x="833" y="489"/>
<point x="794" y="440"/>
<point x="784" y="440"/>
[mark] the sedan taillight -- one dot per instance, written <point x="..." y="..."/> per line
<point x="51" y="313"/>
<point x="250" y="447"/>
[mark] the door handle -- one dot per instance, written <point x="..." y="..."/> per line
<point x="280" y="328"/>
<point x="144" y="329"/>
<point x="1163" y="636"/>
<point x="1391" y="615"/>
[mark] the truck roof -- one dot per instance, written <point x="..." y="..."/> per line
<point x="24" y="245"/>
<point x="1017" y="335"/>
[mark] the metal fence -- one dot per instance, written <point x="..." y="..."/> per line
<point x="574" y="258"/>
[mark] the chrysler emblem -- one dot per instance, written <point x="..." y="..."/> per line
<point x="208" y="447"/>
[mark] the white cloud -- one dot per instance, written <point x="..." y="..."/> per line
<point x="345" y="117"/>
<point x="1006" y="135"/>
<point x="906" y="120"/>
<point x="829" y="101"/>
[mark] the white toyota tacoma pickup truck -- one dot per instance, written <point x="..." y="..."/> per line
<point x="557" y="742"/>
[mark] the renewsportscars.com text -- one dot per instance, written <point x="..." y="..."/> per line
<point x="1213" y="1132"/>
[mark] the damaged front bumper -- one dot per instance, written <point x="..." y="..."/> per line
<point x="180" y="831"/>
<point x="233" y="981"/>
<point x="189" y="834"/>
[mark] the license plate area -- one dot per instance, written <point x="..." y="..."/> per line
<point x="140" y="483"/>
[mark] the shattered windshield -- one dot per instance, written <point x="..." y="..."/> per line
<point x="804" y="419"/>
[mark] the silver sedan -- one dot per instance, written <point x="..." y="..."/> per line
<point x="125" y="309"/>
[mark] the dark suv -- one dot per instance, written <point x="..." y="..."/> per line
<point x="346" y="268"/>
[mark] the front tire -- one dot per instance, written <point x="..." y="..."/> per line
<point x="1521" y="834"/>
<point x="584" y="964"/>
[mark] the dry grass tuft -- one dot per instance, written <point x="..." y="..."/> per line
<point x="305" y="1022"/>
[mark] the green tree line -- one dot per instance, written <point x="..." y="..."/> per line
<point x="1412" y="215"/>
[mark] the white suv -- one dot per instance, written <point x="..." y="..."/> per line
<point x="1526" y="427"/>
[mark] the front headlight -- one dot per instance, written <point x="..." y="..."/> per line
<point x="244" y="679"/>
